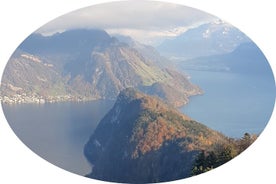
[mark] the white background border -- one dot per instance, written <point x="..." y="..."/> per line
<point x="20" y="18"/>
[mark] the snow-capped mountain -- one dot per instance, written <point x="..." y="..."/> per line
<point x="212" y="38"/>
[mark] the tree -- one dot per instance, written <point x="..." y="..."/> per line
<point x="224" y="155"/>
<point x="203" y="163"/>
<point x="219" y="154"/>
<point x="245" y="142"/>
<point x="206" y="161"/>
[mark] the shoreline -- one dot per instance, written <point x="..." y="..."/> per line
<point x="18" y="99"/>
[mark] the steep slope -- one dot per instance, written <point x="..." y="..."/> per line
<point x="208" y="39"/>
<point x="116" y="67"/>
<point x="147" y="51"/>
<point x="141" y="139"/>
<point x="92" y="65"/>
<point x="28" y="78"/>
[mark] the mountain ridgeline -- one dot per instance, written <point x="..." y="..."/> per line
<point x="208" y="39"/>
<point x="141" y="140"/>
<point x="247" y="59"/>
<point x="87" y="65"/>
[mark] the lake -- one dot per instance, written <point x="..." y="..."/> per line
<point x="58" y="132"/>
<point x="232" y="103"/>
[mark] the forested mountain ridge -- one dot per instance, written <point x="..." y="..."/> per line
<point x="142" y="139"/>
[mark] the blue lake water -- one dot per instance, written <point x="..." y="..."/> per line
<point x="232" y="103"/>
<point x="58" y="132"/>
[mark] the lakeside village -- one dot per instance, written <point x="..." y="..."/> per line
<point x="24" y="98"/>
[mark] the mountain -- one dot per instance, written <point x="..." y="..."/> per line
<point x="247" y="58"/>
<point x="86" y="65"/>
<point x="28" y="77"/>
<point x="76" y="41"/>
<point x="147" y="51"/>
<point x="143" y="140"/>
<point x="207" y="39"/>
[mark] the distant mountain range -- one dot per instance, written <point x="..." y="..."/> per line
<point x="208" y="39"/>
<point x="247" y="58"/>
<point x="143" y="140"/>
<point x="86" y="65"/>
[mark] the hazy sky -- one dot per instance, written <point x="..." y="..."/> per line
<point x="145" y="21"/>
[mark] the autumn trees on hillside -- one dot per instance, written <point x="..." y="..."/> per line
<point x="220" y="154"/>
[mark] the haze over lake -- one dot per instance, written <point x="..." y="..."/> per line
<point x="58" y="131"/>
